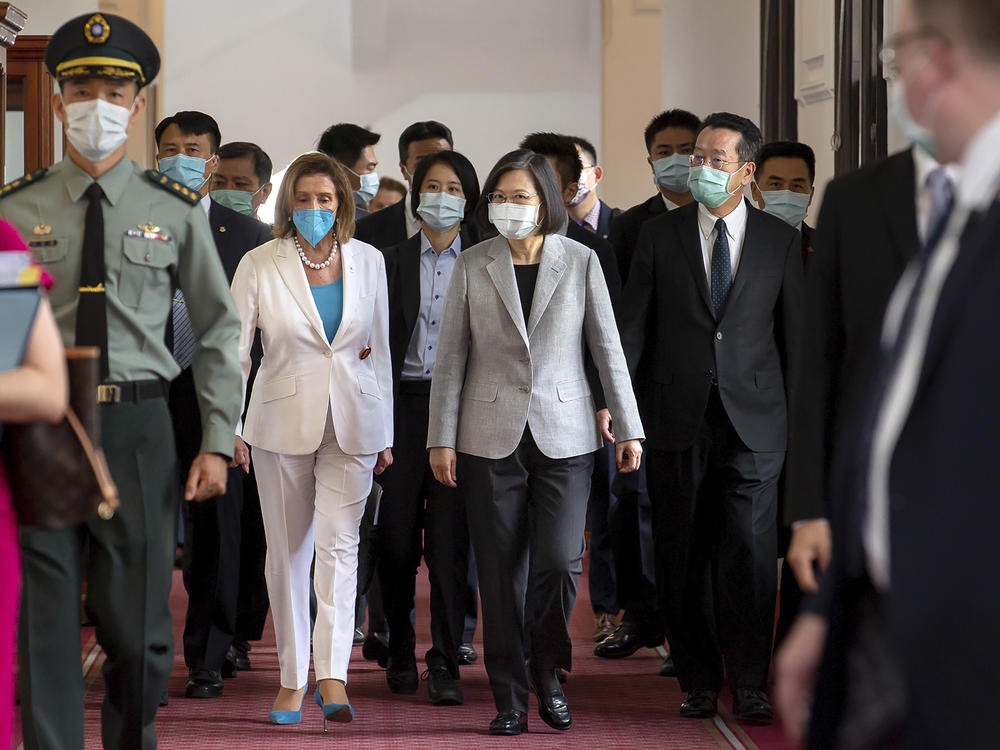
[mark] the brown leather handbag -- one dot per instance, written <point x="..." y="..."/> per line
<point x="57" y="472"/>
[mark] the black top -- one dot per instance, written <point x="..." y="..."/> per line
<point x="526" y="277"/>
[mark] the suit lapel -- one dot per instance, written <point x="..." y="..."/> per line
<point x="501" y="271"/>
<point x="293" y="274"/>
<point x="897" y="191"/>
<point x="748" y="256"/>
<point x="409" y="279"/>
<point x="349" y="273"/>
<point x="549" y="273"/>
<point x="691" y="247"/>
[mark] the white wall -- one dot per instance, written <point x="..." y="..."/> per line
<point x="45" y="16"/>
<point x="491" y="71"/>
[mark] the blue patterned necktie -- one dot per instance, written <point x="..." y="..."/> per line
<point x="722" y="269"/>
<point x="184" y="341"/>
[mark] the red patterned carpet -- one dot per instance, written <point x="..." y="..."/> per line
<point x="616" y="704"/>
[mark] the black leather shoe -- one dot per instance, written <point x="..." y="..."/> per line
<point x="241" y="655"/>
<point x="509" y="723"/>
<point x="203" y="683"/>
<point x="376" y="648"/>
<point x="441" y="687"/>
<point x="552" y="705"/>
<point x="561" y="674"/>
<point x="626" y="640"/>
<point x="229" y="664"/>
<point x="467" y="654"/>
<point x="750" y="704"/>
<point x="401" y="676"/>
<point x="359" y="636"/>
<point x="164" y="698"/>
<point x="700" y="704"/>
<point x="667" y="668"/>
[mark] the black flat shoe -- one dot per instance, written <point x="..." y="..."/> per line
<point x="401" y="676"/>
<point x="700" y="704"/>
<point x="667" y="668"/>
<point x="626" y="640"/>
<point x="441" y="687"/>
<point x="509" y="723"/>
<point x="203" y="683"/>
<point x="241" y="655"/>
<point x="552" y="705"/>
<point x="467" y="654"/>
<point x="750" y="704"/>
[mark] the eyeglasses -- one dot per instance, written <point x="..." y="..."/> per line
<point x="697" y="160"/>
<point x="513" y="198"/>
<point x="888" y="55"/>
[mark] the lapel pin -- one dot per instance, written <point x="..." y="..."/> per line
<point x="365" y="352"/>
<point x="222" y="229"/>
<point x="41" y="229"/>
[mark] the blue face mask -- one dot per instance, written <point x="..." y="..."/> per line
<point x="671" y="172"/>
<point x="913" y="130"/>
<point x="369" y="186"/>
<point x="189" y="171"/>
<point x="313" y="223"/>
<point x="710" y="186"/>
<point x="787" y="205"/>
<point x="441" y="211"/>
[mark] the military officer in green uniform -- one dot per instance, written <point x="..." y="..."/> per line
<point x="118" y="239"/>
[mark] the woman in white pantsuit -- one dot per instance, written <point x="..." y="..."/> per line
<point x="319" y="419"/>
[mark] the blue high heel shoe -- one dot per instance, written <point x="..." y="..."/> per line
<point x="340" y="712"/>
<point x="287" y="717"/>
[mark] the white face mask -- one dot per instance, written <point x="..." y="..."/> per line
<point x="96" y="128"/>
<point x="514" y="220"/>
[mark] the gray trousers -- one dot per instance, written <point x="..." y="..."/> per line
<point x="527" y="514"/>
<point x="128" y="573"/>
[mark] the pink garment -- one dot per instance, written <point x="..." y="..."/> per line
<point x="10" y="588"/>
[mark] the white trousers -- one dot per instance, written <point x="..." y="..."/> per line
<point x="313" y="501"/>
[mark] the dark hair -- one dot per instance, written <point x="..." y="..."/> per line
<point x="586" y="146"/>
<point x="750" y="138"/>
<point x="387" y="183"/>
<point x="546" y="183"/>
<point x="791" y="150"/>
<point x="422" y="131"/>
<point x="671" y="118"/>
<point x="561" y="149"/>
<point x="192" y="123"/>
<point x="345" y="141"/>
<point x="976" y="21"/>
<point x="462" y="168"/>
<point x="261" y="161"/>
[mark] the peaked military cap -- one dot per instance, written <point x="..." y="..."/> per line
<point x="103" y="45"/>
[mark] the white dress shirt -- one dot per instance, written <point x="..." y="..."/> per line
<point x="977" y="186"/>
<point x="923" y="165"/>
<point x="206" y="203"/>
<point x="668" y="203"/>
<point x="736" y="229"/>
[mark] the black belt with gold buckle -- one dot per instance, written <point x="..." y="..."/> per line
<point x="130" y="392"/>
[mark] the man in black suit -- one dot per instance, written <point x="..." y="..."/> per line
<point x="912" y="486"/>
<point x="785" y="184"/>
<point x="585" y="208"/>
<point x="565" y="158"/>
<point x="187" y="145"/>
<point x="669" y="140"/>
<point x="712" y="308"/>
<point x="354" y="149"/>
<point x="419" y="515"/>
<point x="242" y="181"/>
<point x="394" y="224"/>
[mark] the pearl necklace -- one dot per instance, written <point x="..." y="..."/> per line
<point x="316" y="266"/>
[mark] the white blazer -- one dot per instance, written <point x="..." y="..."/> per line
<point x="301" y="372"/>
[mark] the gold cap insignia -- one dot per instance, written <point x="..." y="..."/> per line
<point x="41" y="229"/>
<point x="96" y="30"/>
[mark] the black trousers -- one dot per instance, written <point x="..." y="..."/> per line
<point x="212" y="543"/>
<point x="601" y="578"/>
<point x="630" y="524"/>
<point x="421" y="516"/>
<point x="714" y="524"/>
<point x="527" y="514"/>
<point x="252" y="602"/>
<point x="128" y="573"/>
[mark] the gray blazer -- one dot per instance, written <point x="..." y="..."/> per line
<point x="494" y="373"/>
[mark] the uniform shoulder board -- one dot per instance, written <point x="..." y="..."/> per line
<point x="24" y="181"/>
<point x="172" y="186"/>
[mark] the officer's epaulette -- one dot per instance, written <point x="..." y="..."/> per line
<point x="172" y="186"/>
<point x="24" y="181"/>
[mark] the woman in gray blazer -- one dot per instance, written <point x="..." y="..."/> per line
<point x="512" y="418"/>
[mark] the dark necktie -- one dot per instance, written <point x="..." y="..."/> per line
<point x="184" y="340"/>
<point x="722" y="269"/>
<point x="92" y="311"/>
<point x="891" y="353"/>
